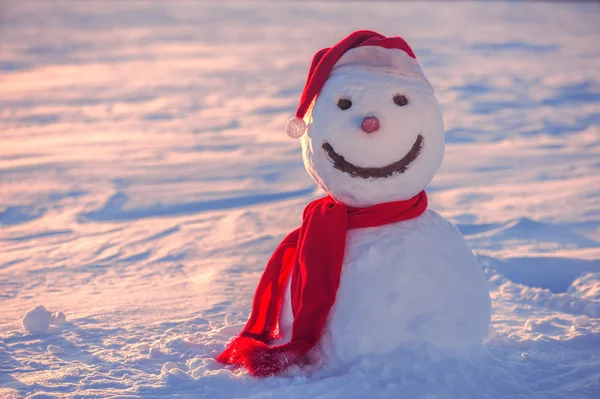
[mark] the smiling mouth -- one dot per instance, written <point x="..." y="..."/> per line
<point x="399" y="166"/>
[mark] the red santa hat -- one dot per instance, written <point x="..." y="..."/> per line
<point x="361" y="50"/>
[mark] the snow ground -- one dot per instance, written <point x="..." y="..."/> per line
<point x="146" y="178"/>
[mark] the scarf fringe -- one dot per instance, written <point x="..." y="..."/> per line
<point x="257" y="357"/>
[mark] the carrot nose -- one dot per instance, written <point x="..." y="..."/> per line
<point x="370" y="124"/>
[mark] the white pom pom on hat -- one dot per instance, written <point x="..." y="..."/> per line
<point x="376" y="56"/>
<point x="295" y="127"/>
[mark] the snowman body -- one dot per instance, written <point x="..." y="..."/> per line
<point x="375" y="136"/>
<point x="406" y="283"/>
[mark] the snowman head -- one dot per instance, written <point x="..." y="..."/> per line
<point x="372" y="129"/>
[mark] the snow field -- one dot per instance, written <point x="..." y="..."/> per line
<point x="145" y="179"/>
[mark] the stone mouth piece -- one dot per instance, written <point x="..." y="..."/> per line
<point x="400" y="166"/>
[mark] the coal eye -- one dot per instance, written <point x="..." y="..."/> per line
<point x="344" y="104"/>
<point x="400" y="100"/>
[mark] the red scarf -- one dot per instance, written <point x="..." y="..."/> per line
<point x="313" y="256"/>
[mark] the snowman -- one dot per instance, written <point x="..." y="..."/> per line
<point x="371" y="270"/>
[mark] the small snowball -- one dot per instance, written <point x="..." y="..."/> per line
<point x="37" y="320"/>
<point x="581" y="321"/>
<point x="55" y="350"/>
<point x="58" y="319"/>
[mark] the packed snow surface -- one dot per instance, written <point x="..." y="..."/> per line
<point x="146" y="178"/>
